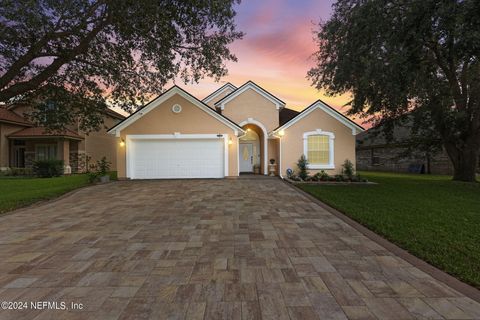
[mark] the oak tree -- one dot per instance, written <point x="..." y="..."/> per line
<point x="397" y="56"/>
<point x="69" y="59"/>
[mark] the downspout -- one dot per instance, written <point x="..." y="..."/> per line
<point x="280" y="158"/>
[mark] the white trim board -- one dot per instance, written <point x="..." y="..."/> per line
<point x="162" y="98"/>
<point x="250" y="85"/>
<point x="219" y="91"/>
<point x="328" y="110"/>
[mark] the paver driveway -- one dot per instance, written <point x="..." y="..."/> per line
<point x="207" y="249"/>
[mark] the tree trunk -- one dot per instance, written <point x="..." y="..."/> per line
<point x="464" y="161"/>
<point x="429" y="169"/>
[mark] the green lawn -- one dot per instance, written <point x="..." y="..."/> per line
<point x="16" y="192"/>
<point x="432" y="217"/>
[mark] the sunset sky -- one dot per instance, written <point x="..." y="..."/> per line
<point x="276" y="51"/>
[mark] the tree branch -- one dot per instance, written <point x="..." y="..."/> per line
<point x="34" y="51"/>
<point x="464" y="79"/>
<point x="449" y="73"/>
<point x="25" y="86"/>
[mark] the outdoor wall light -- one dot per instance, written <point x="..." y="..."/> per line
<point x="122" y="143"/>
<point x="281" y="133"/>
<point x="230" y="141"/>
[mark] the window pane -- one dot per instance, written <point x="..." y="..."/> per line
<point x="41" y="153"/>
<point x="52" y="152"/>
<point x="46" y="152"/>
<point x="318" y="149"/>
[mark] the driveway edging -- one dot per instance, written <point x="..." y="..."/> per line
<point x="424" y="266"/>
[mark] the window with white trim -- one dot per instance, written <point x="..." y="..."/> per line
<point x="318" y="148"/>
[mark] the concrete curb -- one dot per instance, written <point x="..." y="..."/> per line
<point x="434" y="272"/>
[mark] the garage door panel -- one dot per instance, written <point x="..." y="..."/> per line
<point x="177" y="158"/>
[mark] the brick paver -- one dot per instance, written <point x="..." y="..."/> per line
<point x="208" y="249"/>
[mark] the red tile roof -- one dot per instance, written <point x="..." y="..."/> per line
<point x="37" y="132"/>
<point x="11" y="117"/>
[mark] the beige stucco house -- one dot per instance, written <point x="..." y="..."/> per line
<point x="232" y="131"/>
<point x="22" y="143"/>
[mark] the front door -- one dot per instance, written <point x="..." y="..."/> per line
<point x="246" y="157"/>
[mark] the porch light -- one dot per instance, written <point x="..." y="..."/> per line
<point x="230" y="141"/>
<point x="122" y="143"/>
<point x="281" y="133"/>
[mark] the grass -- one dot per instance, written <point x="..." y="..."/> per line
<point x="432" y="217"/>
<point x="16" y="192"/>
<point x="20" y="191"/>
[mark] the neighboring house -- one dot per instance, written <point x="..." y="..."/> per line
<point x="22" y="143"/>
<point x="376" y="153"/>
<point x="230" y="132"/>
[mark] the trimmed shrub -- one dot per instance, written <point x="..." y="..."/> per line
<point x="323" y="176"/>
<point x="48" y="168"/>
<point x="92" y="176"/>
<point x="302" y="167"/>
<point x="347" y="169"/>
<point x="14" y="172"/>
<point x="113" y="175"/>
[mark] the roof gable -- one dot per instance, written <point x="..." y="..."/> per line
<point x="11" y="117"/>
<point x="250" y="85"/>
<point x="162" y="98"/>
<point x="328" y="110"/>
<point x="218" y="92"/>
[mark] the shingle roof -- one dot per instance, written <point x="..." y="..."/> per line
<point x="36" y="132"/>
<point x="286" y="115"/>
<point x="114" y="114"/>
<point x="247" y="84"/>
<point x="11" y="117"/>
<point x="219" y="90"/>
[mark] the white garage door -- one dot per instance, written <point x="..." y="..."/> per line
<point x="176" y="158"/>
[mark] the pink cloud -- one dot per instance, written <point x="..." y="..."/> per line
<point x="276" y="52"/>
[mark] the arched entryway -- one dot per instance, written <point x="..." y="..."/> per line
<point x="253" y="148"/>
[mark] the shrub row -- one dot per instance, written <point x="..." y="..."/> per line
<point x="14" y="172"/>
<point x="301" y="174"/>
<point x="48" y="168"/>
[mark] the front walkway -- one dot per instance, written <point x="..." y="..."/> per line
<point x="207" y="249"/>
